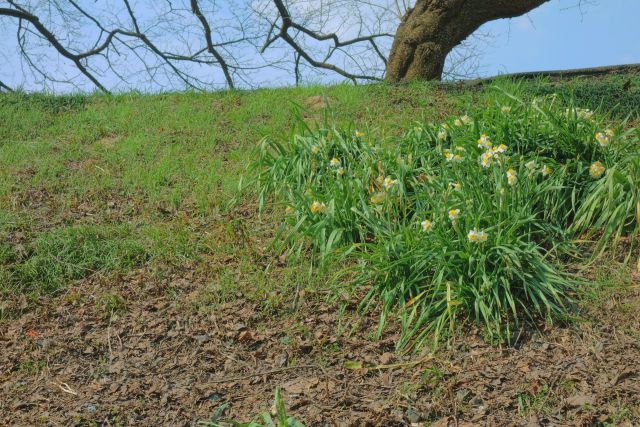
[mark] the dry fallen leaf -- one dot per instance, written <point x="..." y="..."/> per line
<point x="580" y="400"/>
<point x="245" y="336"/>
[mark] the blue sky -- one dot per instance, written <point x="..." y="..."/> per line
<point x="559" y="36"/>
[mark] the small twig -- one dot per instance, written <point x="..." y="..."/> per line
<point x="65" y="387"/>
<point x="269" y="372"/>
<point x="109" y="340"/>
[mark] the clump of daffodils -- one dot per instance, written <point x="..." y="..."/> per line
<point x="426" y="225"/>
<point x="596" y="170"/>
<point x="451" y="157"/>
<point x="475" y="236"/>
<point x="454" y="214"/>
<point x="377" y="198"/>
<point x="389" y="183"/>
<point x="334" y="162"/>
<point x="318" y="207"/>
<point x="604" y="138"/>
<point x="484" y="142"/>
<point x="491" y="152"/>
<point x="512" y="177"/>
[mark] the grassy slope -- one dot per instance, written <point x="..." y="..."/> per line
<point x="95" y="184"/>
<point x="103" y="185"/>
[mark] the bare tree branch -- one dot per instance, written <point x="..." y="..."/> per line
<point x="210" y="48"/>
<point x="23" y="15"/>
<point x="4" y="87"/>
<point x="287" y="23"/>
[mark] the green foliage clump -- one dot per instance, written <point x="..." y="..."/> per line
<point x="612" y="205"/>
<point x="470" y="218"/>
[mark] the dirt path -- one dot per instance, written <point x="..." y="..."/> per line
<point x="157" y="363"/>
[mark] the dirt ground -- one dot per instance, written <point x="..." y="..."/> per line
<point x="153" y="361"/>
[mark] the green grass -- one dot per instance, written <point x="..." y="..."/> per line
<point x="72" y="253"/>
<point x="94" y="184"/>
<point x="101" y="184"/>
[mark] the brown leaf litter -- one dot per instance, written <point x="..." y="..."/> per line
<point x="158" y="362"/>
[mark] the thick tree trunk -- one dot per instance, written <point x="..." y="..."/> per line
<point x="432" y="28"/>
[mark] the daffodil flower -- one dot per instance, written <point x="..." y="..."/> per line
<point x="584" y="113"/>
<point x="377" y="198"/>
<point x="501" y="148"/>
<point x="334" y="162"/>
<point x="485" y="159"/>
<point x="318" y="207"/>
<point x="604" y="138"/>
<point x="454" y="214"/>
<point x="475" y="236"/>
<point x="484" y="141"/>
<point x="512" y="177"/>
<point x="505" y="109"/>
<point x="315" y="149"/>
<point x="426" y="225"/>
<point x="448" y="155"/>
<point x="596" y="170"/>
<point x="388" y="183"/>
<point x="455" y="185"/>
<point x="546" y="170"/>
<point x="340" y="171"/>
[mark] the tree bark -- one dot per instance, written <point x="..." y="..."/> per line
<point x="430" y="30"/>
